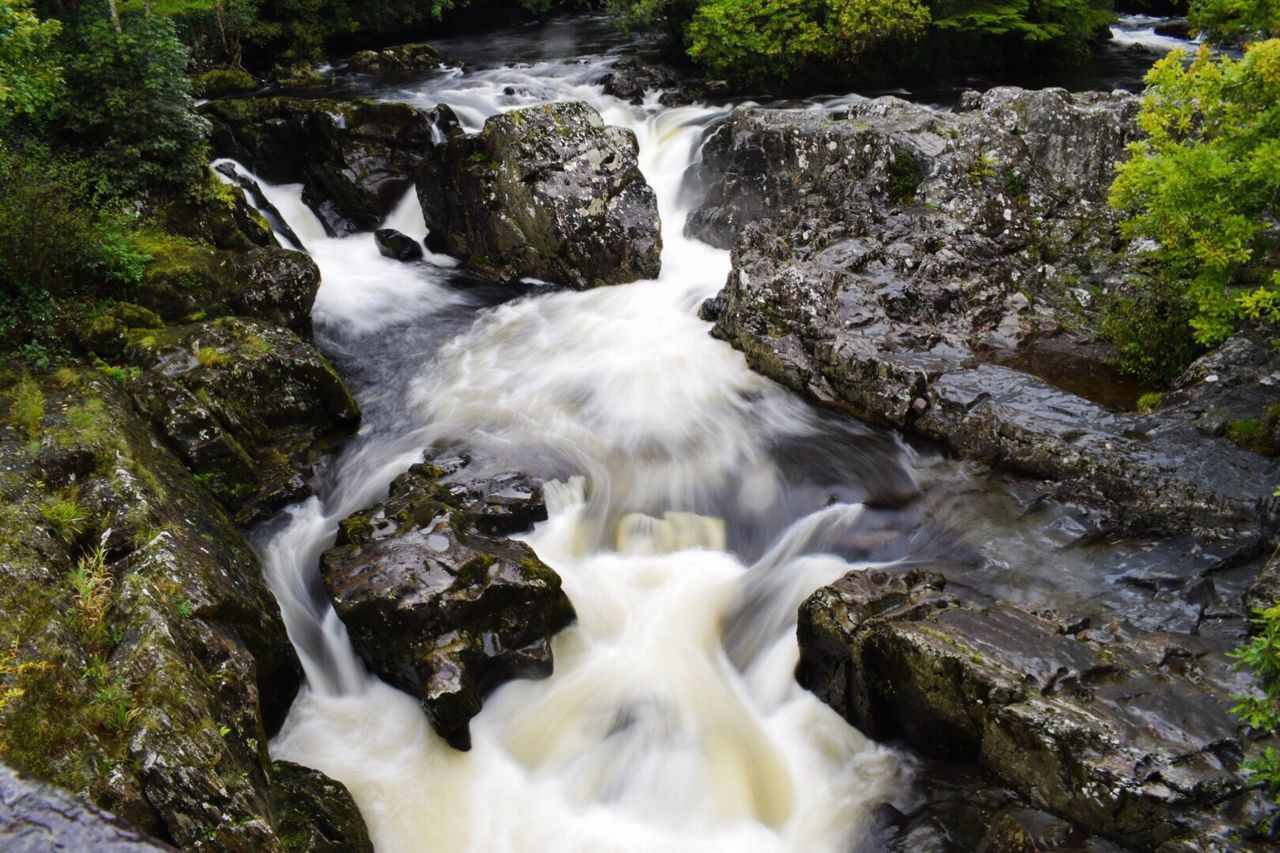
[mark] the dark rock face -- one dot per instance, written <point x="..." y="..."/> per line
<point x="400" y="247"/>
<point x="268" y="210"/>
<point x="248" y="407"/>
<point x="314" y="813"/>
<point x="354" y="160"/>
<point x="437" y="600"/>
<point x="881" y="255"/>
<point x="36" y="818"/>
<point x="548" y="192"/>
<point x="152" y="690"/>
<point x="1129" y="738"/>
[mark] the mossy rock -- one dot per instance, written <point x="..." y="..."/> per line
<point x="221" y="82"/>
<point x="248" y="407"/>
<point x="151" y="680"/>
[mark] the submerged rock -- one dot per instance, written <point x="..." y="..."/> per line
<point x="437" y="600"/>
<point x="315" y="814"/>
<point x="144" y="663"/>
<point x="355" y="160"/>
<point x="549" y="192"/>
<point x="882" y="254"/>
<point x="248" y="407"/>
<point x="1128" y="739"/>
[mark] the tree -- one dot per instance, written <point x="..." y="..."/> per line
<point x="1235" y="21"/>
<point x="757" y="40"/>
<point x="1204" y="184"/>
<point x="129" y="104"/>
<point x="30" y="78"/>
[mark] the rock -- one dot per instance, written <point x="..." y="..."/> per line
<point x="1131" y="741"/>
<point x="1177" y="28"/>
<point x="152" y="687"/>
<point x="880" y="256"/>
<point x="1233" y="391"/>
<point x="399" y="247"/>
<point x="404" y="57"/>
<point x="248" y="407"/>
<point x="315" y="813"/>
<point x="35" y="818"/>
<point x="217" y="215"/>
<point x="189" y="281"/>
<point x="221" y="82"/>
<point x="268" y="210"/>
<point x="630" y="78"/>
<point x="548" y="192"/>
<point x="107" y="334"/>
<point x="355" y="160"/>
<point x="1264" y="591"/>
<point x="437" y="601"/>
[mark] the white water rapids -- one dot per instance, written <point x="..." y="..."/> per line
<point x="673" y="720"/>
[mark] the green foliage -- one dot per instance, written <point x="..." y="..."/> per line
<point x="1261" y="710"/>
<point x="1204" y="182"/>
<point x="65" y="515"/>
<point x="1235" y="21"/>
<point x="130" y="104"/>
<point x="1069" y="25"/>
<point x="63" y="238"/>
<point x="28" y="408"/>
<point x="92" y="583"/>
<point x="30" y="78"/>
<point x="753" y="41"/>
<point x="1150" y="328"/>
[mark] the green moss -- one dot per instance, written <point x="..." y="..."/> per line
<point x="1151" y="401"/>
<point x="65" y="515"/>
<point x="1247" y="432"/>
<point x="223" y="81"/>
<point x="904" y="178"/>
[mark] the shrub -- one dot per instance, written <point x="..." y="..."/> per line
<point x="1234" y="21"/>
<point x="30" y="79"/>
<point x="1150" y="328"/>
<point x="130" y="104"/>
<point x="1261" y="710"/>
<point x="1203" y="185"/>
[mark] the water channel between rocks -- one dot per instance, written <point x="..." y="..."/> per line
<point x="693" y="505"/>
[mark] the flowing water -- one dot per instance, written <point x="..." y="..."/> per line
<point x="693" y="505"/>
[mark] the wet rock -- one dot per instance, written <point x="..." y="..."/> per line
<point x="549" y="192"/>
<point x="248" y="407"/>
<point x="190" y="281"/>
<point x="400" y="247"/>
<point x="107" y="334"/>
<point x="404" y="57"/>
<point x="215" y="214"/>
<point x="1264" y="591"/>
<point x="882" y="254"/>
<point x="221" y="82"/>
<point x="153" y="683"/>
<point x="355" y="160"/>
<point x="35" y="818"/>
<point x="1234" y="392"/>
<point x="1131" y="741"/>
<point x="268" y="210"/>
<point x="631" y="78"/>
<point x="314" y="813"/>
<point x="437" y="601"/>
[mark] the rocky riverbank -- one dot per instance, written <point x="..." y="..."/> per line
<point x="143" y="660"/>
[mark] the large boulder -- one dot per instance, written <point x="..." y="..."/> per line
<point x="355" y="160"/>
<point x="1128" y="737"/>
<point x="884" y="256"/>
<point x="549" y="192"/>
<point x="437" y="600"/>
<point x="143" y="660"/>
<point x="398" y="59"/>
<point x="248" y="407"/>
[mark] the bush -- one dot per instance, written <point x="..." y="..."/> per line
<point x="130" y="104"/>
<point x="62" y="237"/>
<point x="1150" y="328"/>
<point x="1235" y="21"/>
<point x="1261" y="710"/>
<point x="754" y="41"/>
<point x="30" y="80"/>
<point x="1203" y="184"/>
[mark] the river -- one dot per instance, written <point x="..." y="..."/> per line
<point x="693" y="505"/>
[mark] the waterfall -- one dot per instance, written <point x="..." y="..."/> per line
<point x="672" y="720"/>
